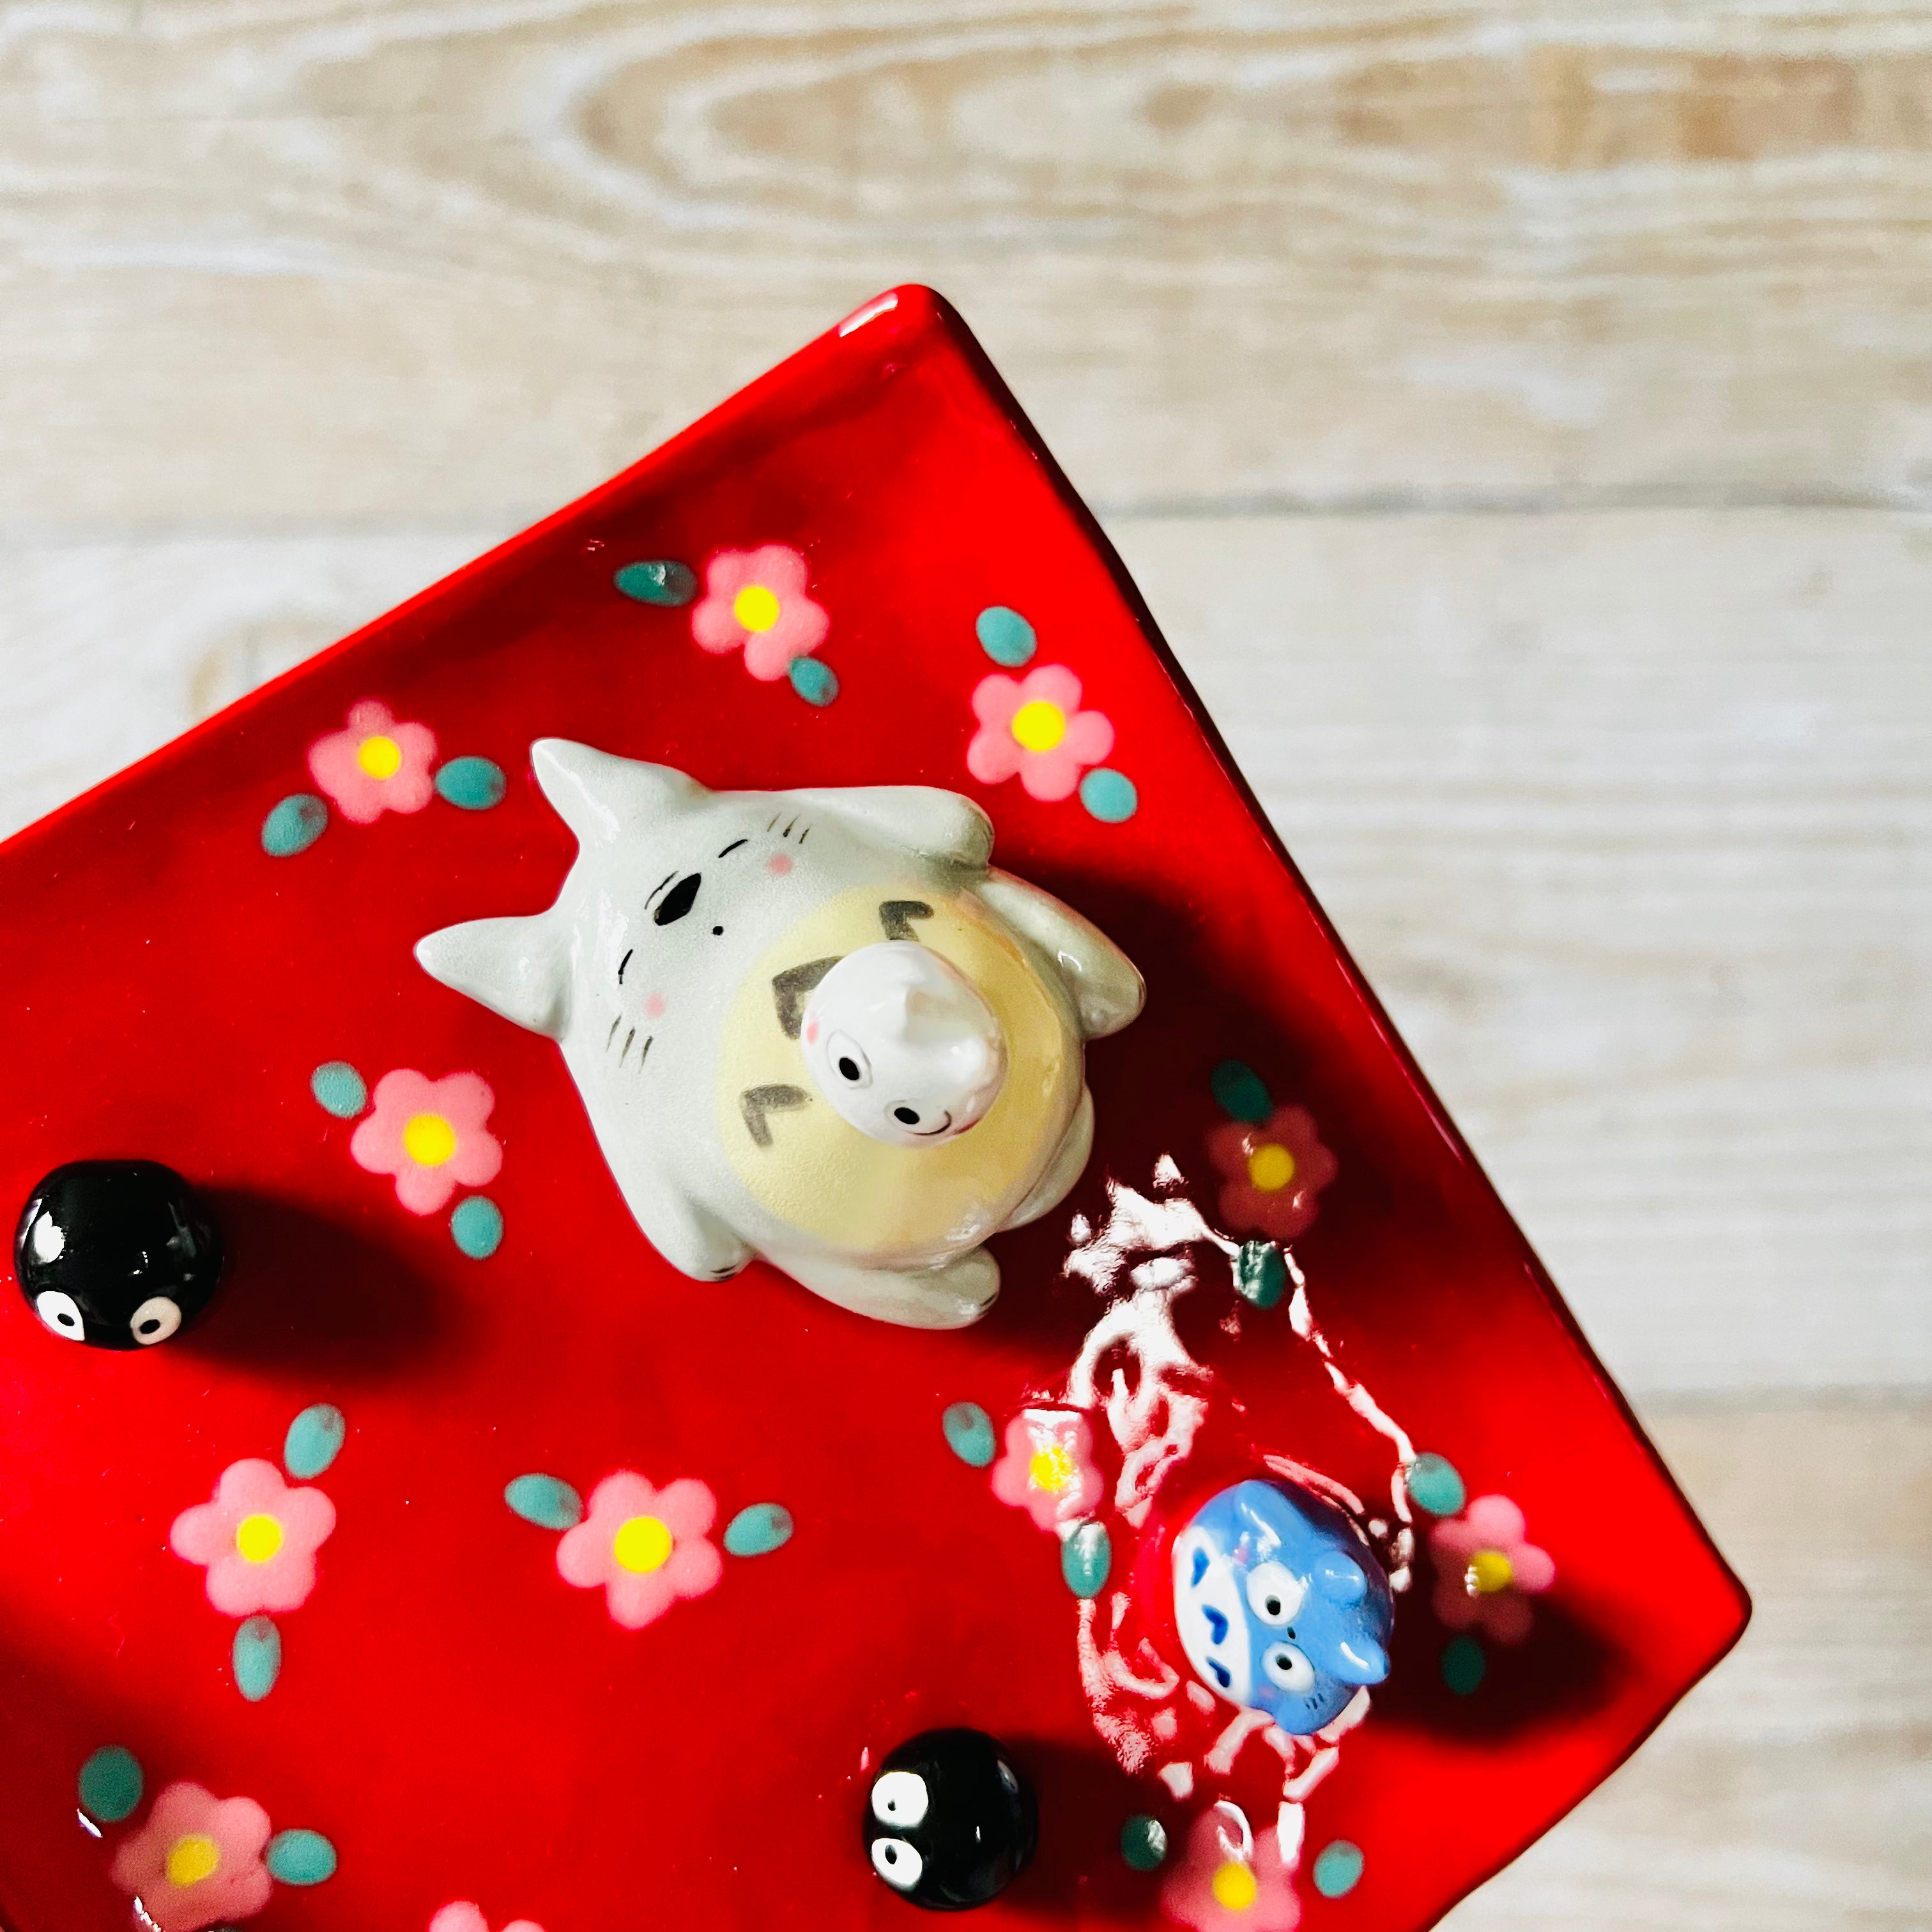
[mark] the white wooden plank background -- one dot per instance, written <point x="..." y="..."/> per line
<point x="1520" y="416"/>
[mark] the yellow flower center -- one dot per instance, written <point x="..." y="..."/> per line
<point x="258" y="1537"/>
<point x="381" y="758"/>
<point x="1490" y="1571"/>
<point x="192" y="1858"/>
<point x="1271" y="1167"/>
<point x="643" y="1544"/>
<point x="428" y="1139"/>
<point x="1234" y="1886"/>
<point x="1039" y="726"/>
<point x="1052" y="1468"/>
<point x="755" y="607"/>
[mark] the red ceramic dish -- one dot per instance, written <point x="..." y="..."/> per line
<point x="196" y="975"/>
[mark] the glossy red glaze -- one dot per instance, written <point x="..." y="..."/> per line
<point x="460" y="1723"/>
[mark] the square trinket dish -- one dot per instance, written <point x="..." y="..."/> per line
<point x="709" y="1237"/>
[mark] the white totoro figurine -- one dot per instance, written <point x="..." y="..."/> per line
<point x="810" y="1025"/>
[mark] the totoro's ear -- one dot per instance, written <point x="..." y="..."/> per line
<point x="515" y="966"/>
<point x="599" y="796"/>
<point x="935" y="824"/>
<point x="1340" y="1578"/>
<point x="1360" y="1659"/>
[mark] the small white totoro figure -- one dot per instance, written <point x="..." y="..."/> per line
<point x="811" y="1025"/>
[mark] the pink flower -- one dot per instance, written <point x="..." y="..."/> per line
<point x="756" y="597"/>
<point x="1034" y="726"/>
<point x="1048" y="1468"/>
<point x="258" y="1539"/>
<point x="647" y="1547"/>
<point x="196" y="1861"/>
<point x="376" y="765"/>
<point x="1272" y="1172"/>
<point x="1486" y="1567"/>
<point x="1231" y="1879"/>
<point x="464" y="1917"/>
<point x="429" y="1135"/>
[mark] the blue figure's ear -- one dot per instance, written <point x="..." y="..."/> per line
<point x="1339" y="1578"/>
<point x="1361" y="1660"/>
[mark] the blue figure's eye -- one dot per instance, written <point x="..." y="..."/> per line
<point x="1288" y="1669"/>
<point x="1274" y="1593"/>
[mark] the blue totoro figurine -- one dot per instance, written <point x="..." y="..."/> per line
<point x="1281" y="1605"/>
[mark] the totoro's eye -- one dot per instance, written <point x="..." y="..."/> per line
<point x="897" y="1863"/>
<point x="61" y="1313"/>
<point x="679" y="900"/>
<point x="1274" y="1593"/>
<point x="1288" y="1669"/>
<point x="848" y="1060"/>
<point x="900" y="1798"/>
<point x="154" y="1320"/>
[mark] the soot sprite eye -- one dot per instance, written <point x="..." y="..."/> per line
<point x="900" y="1798"/>
<point x="1274" y="1593"/>
<point x="897" y="1863"/>
<point x="848" y="1059"/>
<point x="1288" y="1669"/>
<point x="61" y="1313"/>
<point x="155" y="1320"/>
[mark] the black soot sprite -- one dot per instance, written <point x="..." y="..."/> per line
<point x="950" y="1822"/>
<point x="117" y="1254"/>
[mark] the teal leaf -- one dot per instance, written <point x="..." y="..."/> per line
<point x="474" y="783"/>
<point x="548" y="1502"/>
<point x="258" y="1657"/>
<point x="302" y="1858"/>
<point x="1338" y="1868"/>
<point x="1260" y="1273"/>
<point x="816" y="683"/>
<point x="111" y="1784"/>
<point x="1144" y="1843"/>
<point x="338" y="1089"/>
<point x="1238" y="1090"/>
<point x="1464" y="1666"/>
<point x="662" y="581"/>
<point x="1436" y="1484"/>
<point x="759" y="1530"/>
<point x="1109" y="796"/>
<point x="314" y="1441"/>
<point x="969" y="1433"/>
<point x="1085" y="1557"/>
<point x="1005" y="636"/>
<point x="476" y="1227"/>
<point x="294" y="825"/>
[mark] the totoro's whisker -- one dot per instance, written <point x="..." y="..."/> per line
<point x="805" y="835"/>
<point x="612" y="1033"/>
<point x="644" y="1051"/>
<point x="659" y="887"/>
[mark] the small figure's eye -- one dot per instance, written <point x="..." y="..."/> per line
<point x="1288" y="1669"/>
<point x="897" y="1863"/>
<point x="848" y="1059"/>
<point x="899" y="1799"/>
<point x="61" y="1313"/>
<point x="154" y="1320"/>
<point x="905" y="1117"/>
<point x="1274" y="1593"/>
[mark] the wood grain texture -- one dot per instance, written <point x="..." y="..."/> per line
<point x="1626" y="815"/>
<point x="272" y="260"/>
